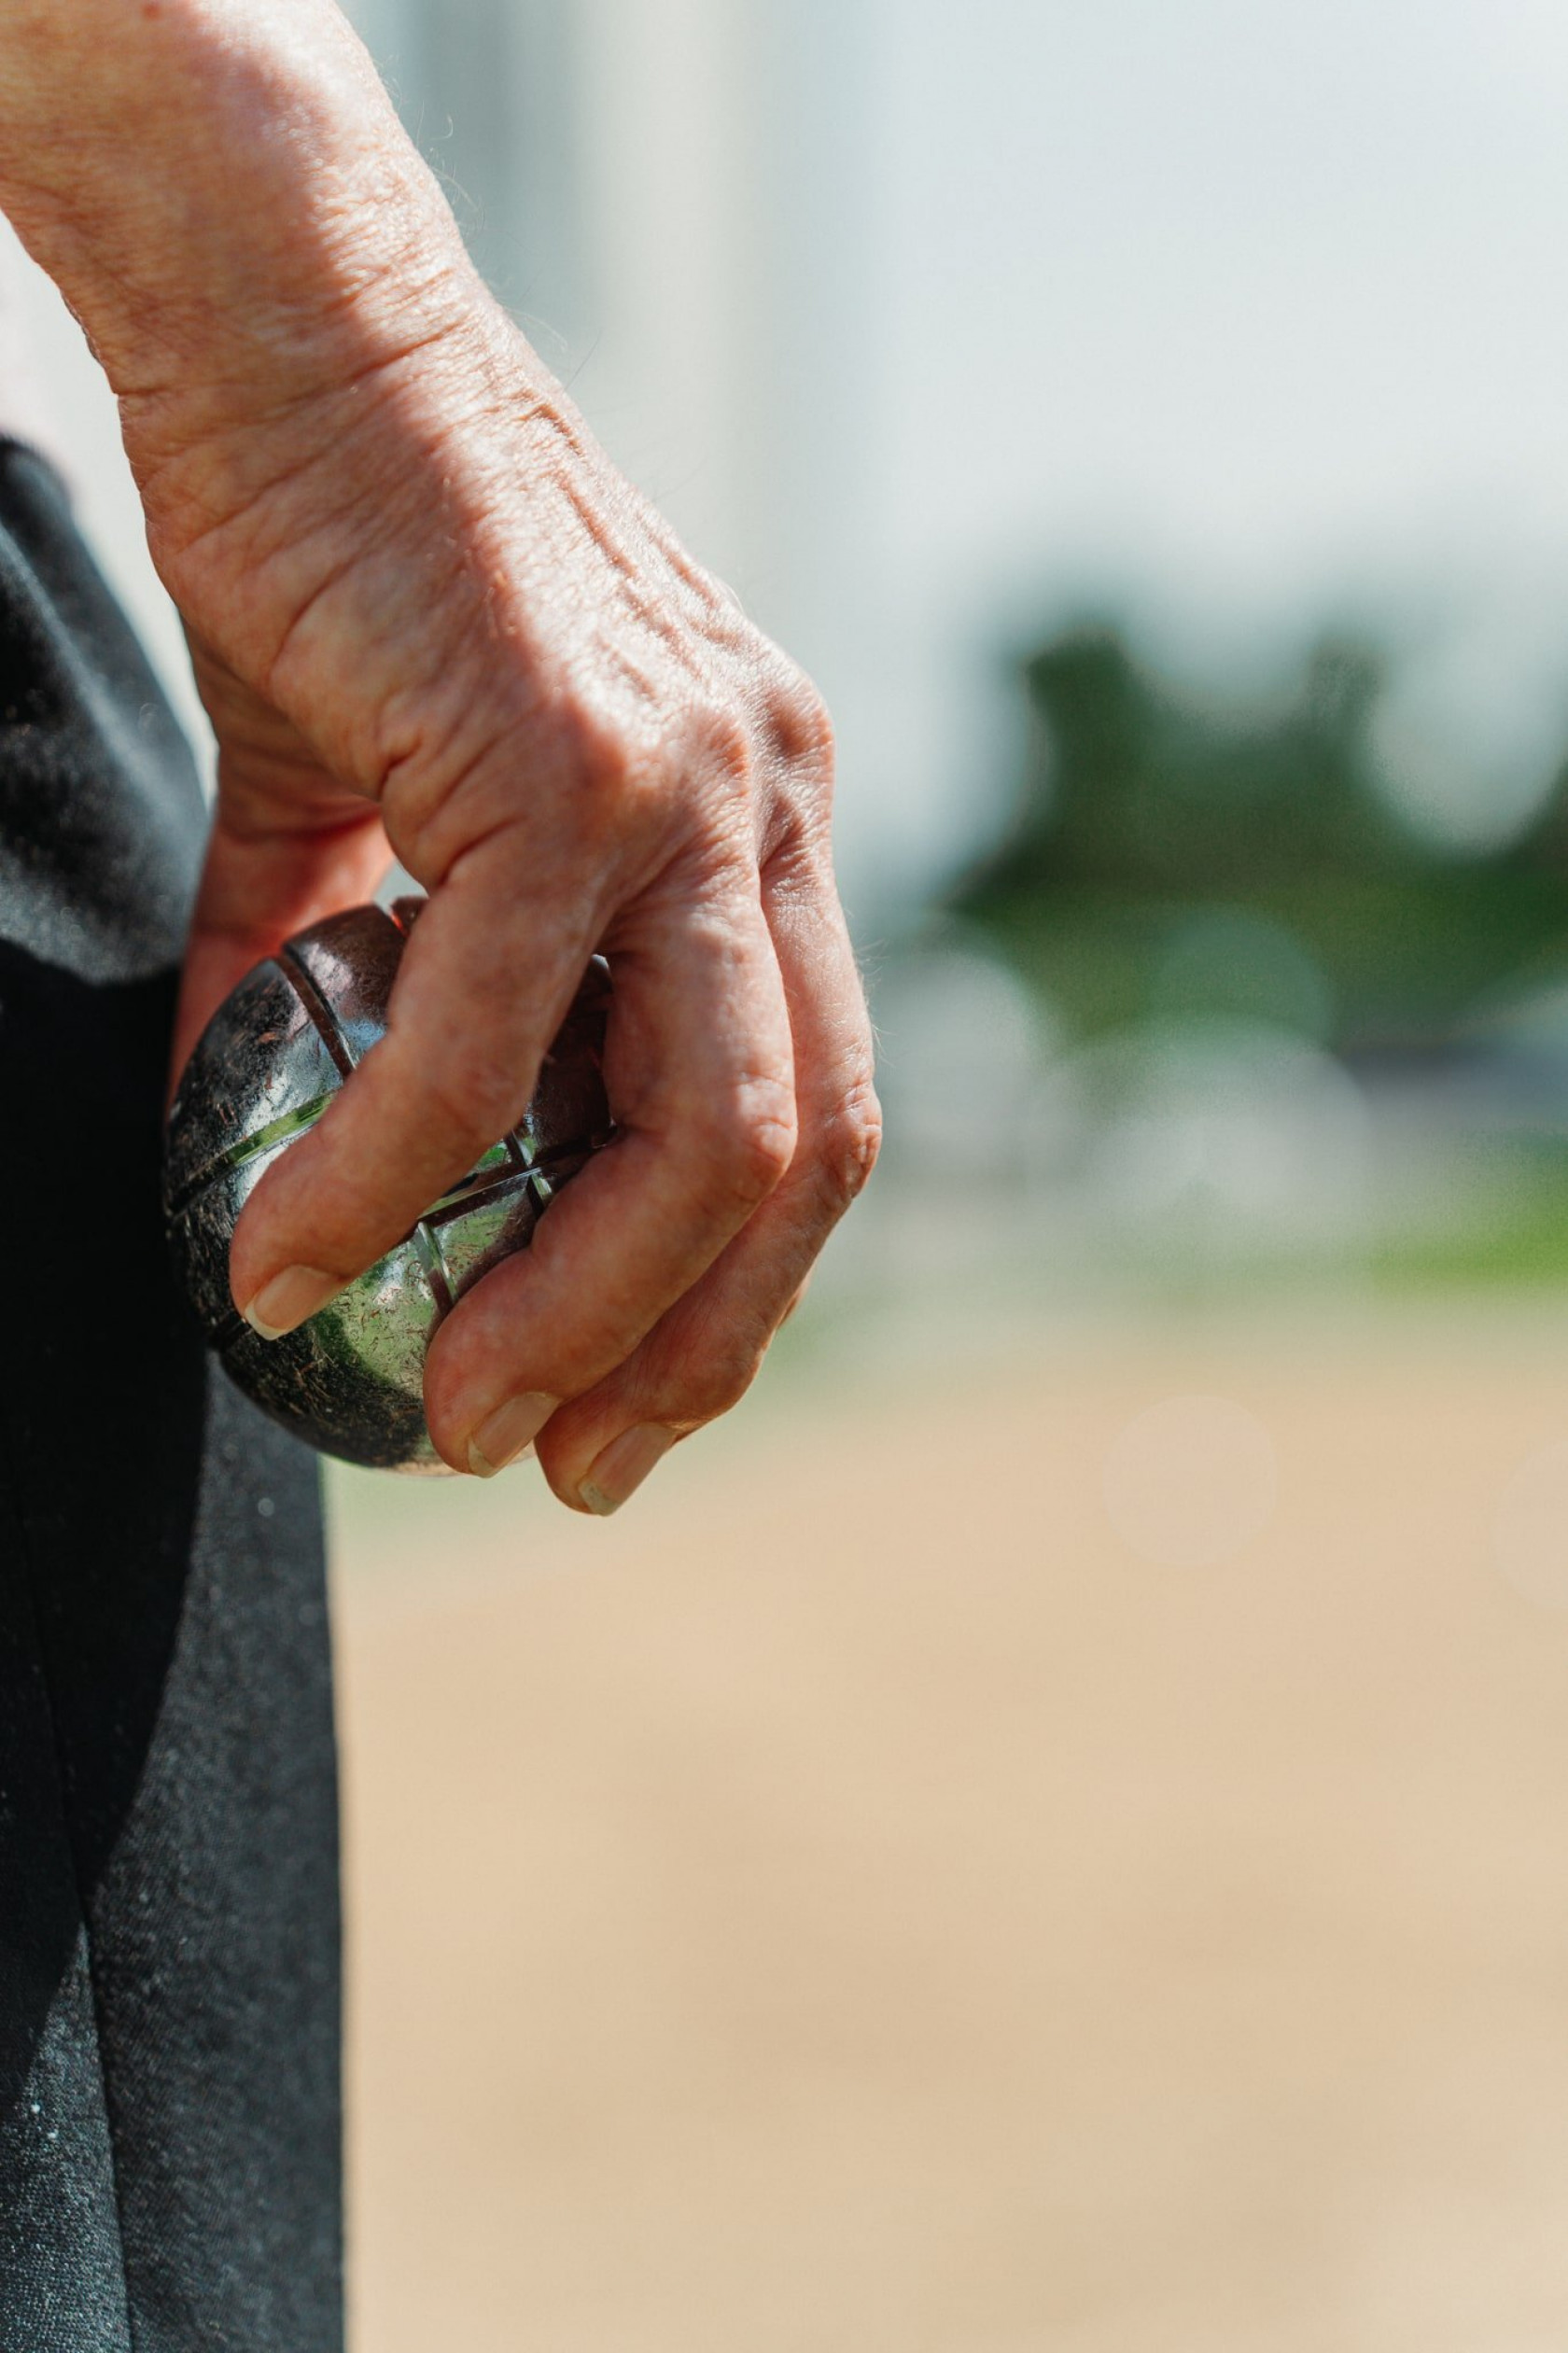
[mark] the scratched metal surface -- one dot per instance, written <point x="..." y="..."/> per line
<point x="266" y="1069"/>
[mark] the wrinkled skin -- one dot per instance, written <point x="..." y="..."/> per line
<point x="427" y="614"/>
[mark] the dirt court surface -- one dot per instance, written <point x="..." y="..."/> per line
<point x="1070" y="1856"/>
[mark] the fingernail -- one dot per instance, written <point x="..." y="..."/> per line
<point x="624" y="1465"/>
<point x="289" y="1299"/>
<point x="502" y="1436"/>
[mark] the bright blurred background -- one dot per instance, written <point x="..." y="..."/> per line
<point x="1045" y="1832"/>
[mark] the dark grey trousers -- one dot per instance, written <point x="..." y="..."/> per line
<point x="169" y="1993"/>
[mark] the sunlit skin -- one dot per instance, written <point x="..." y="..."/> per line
<point x="428" y="617"/>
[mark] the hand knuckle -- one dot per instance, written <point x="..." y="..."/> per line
<point x="801" y="724"/>
<point x="847" y="1144"/>
<point x="723" y="739"/>
<point x="714" y="1388"/>
<point x="713" y="1377"/>
<point x="599" y="754"/>
<point x="794" y="852"/>
<point x="747" y="1145"/>
<point x="473" y="1095"/>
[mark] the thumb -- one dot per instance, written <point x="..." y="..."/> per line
<point x="290" y="843"/>
<point x="267" y="876"/>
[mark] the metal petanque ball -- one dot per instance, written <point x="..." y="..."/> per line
<point x="265" y="1069"/>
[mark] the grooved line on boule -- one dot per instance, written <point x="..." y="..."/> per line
<point x="279" y="1130"/>
<point x="436" y="1272"/>
<point x="323" y="1019"/>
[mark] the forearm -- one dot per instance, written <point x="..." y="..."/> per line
<point x="222" y="193"/>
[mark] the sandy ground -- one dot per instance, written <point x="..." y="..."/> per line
<point x="978" y="1864"/>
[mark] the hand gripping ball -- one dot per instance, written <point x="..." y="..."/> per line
<point x="265" y="1069"/>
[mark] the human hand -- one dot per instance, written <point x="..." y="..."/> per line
<point x="425" y="612"/>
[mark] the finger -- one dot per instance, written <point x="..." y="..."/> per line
<point x="259" y="886"/>
<point x="704" y="1353"/>
<point x="290" y="844"/>
<point x="699" y="1072"/>
<point x="485" y="984"/>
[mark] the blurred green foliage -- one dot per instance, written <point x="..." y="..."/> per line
<point x="1175" y="853"/>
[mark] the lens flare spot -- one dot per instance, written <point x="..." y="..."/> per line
<point x="1530" y="1534"/>
<point x="1191" y="1483"/>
